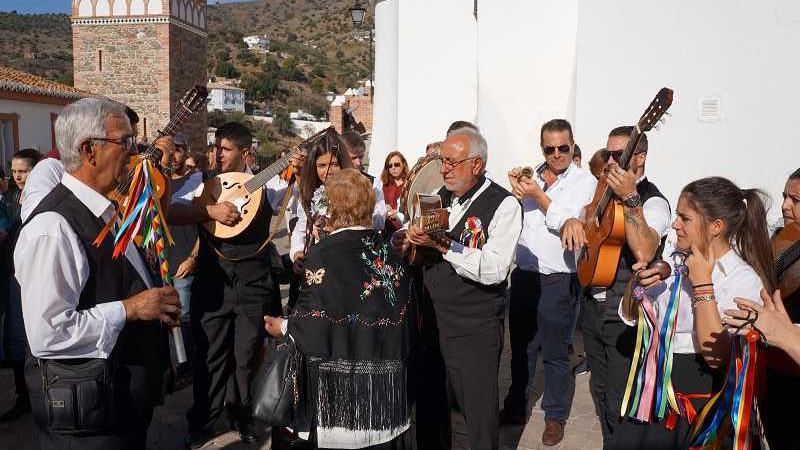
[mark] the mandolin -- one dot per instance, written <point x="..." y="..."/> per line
<point x="605" y="225"/>
<point x="243" y="190"/>
<point x="434" y="220"/>
<point x="188" y="106"/>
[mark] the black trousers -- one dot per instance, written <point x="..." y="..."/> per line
<point x="609" y="349"/>
<point x="690" y="375"/>
<point x="541" y="313"/>
<point x="228" y="349"/>
<point x="133" y="409"/>
<point x="471" y="362"/>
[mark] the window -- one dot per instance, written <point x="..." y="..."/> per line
<point x="99" y="60"/>
<point x="9" y="137"/>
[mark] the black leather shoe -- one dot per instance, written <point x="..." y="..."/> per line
<point x="248" y="434"/>
<point x="20" y="408"/>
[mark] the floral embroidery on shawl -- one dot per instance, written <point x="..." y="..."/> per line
<point x="381" y="275"/>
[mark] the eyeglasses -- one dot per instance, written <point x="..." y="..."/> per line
<point x="451" y="165"/>
<point x="126" y="143"/>
<point x="390" y="165"/>
<point x="562" y="149"/>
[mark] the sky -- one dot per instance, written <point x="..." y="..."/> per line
<point x="53" y="6"/>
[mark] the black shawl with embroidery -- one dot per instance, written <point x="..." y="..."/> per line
<point x="351" y="323"/>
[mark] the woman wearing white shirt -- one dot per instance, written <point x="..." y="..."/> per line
<point x="724" y="232"/>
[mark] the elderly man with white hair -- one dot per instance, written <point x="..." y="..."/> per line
<point x="93" y="321"/>
<point x="467" y="284"/>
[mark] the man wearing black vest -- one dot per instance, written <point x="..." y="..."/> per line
<point x="86" y="313"/>
<point x="231" y="292"/>
<point x="608" y="341"/>
<point x="466" y="281"/>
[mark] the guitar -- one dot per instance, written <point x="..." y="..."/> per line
<point x="244" y="191"/>
<point x="188" y="106"/>
<point x="605" y="226"/>
<point x="786" y="248"/>
<point x="434" y="220"/>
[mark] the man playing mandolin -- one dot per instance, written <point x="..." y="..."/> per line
<point x="467" y="287"/>
<point x="607" y="340"/>
<point x="231" y="293"/>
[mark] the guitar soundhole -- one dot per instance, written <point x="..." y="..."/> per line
<point x="244" y="211"/>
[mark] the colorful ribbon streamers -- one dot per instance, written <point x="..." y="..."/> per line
<point x="649" y="395"/>
<point x="728" y="413"/>
<point x="473" y="236"/>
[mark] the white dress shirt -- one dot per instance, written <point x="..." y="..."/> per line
<point x="52" y="270"/>
<point x="732" y="277"/>
<point x="42" y="179"/>
<point x="298" y="240"/>
<point x="490" y="264"/>
<point x="539" y="248"/>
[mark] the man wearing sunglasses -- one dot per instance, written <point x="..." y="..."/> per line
<point x="544" y="285"/>
<point x="608" y="341"/>
<point x="466" y="286"/>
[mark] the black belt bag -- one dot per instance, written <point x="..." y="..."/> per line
<point x="79" y="395"/>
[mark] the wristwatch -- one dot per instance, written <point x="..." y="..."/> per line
<point x="633" y="201"/>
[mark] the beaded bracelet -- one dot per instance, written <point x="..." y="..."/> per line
<point x="703" y="291"/>
<point x="703" y="298"/>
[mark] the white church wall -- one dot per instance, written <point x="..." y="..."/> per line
<point x="436" y="73"/>
<point x="35" y="130"/>
<point x="384" y="110"/>
<point x="740" y="52"/>
<point x="526" y="76"/>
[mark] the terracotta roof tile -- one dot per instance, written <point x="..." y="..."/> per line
<point x="16" y="81"/>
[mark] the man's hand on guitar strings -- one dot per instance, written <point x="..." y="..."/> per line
<point x="418" y="236"/>
<point x="225" y="213"/>
<point x="573" y="236"/>
<point x="167" y="147"/>
<point x="298" y="160"/>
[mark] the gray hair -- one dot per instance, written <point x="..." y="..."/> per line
<point x="477" y="144"/>
<point x="81" y="121"/>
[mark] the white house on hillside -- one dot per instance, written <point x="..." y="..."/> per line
<point x="225" y="98"/>
<point x="257" y="42"/>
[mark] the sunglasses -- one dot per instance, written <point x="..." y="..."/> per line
<point x="395" y="165"/>
<point x="615" y="155"/>
<point x="562" y="149"/>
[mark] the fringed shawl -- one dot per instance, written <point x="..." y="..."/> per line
<point x="351" y="323"/>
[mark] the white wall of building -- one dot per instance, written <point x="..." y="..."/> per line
<point x="526" y="76"/>
<point x="597" y="63"/>
<point x="226" y="99"/>
<point x="34" y="123"/>
<point x="436" y="73"/>
<point x="742" y="52"/>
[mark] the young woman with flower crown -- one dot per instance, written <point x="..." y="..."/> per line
<point x="684" y="382"/>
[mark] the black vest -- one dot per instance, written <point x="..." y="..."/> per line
<point x="243" y="281"/>
<point x="141" y="347"/>
<point x="464" y="306"/>
<point x="616" y="291"/>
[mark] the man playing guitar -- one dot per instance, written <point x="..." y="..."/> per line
<point x="607" y="340"/>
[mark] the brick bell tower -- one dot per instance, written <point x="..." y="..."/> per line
<point x="143" y="53"/>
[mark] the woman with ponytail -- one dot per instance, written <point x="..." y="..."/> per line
<point x="683" y="350"/>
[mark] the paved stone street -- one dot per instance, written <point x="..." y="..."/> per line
<point x="169" y="424"/>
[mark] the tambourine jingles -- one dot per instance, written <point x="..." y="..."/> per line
<point x="425" y="177"/>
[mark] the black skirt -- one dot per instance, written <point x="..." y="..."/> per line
<point x="690" y="375"/>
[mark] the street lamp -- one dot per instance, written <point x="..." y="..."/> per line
<point x="357" y="14"/>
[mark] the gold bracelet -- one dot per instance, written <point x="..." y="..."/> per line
<point x="703" y="298"/>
